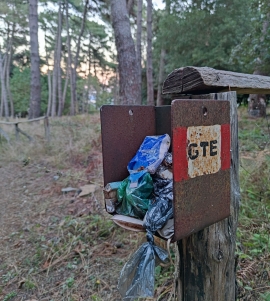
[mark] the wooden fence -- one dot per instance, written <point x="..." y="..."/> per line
<point x="18" y="130"/>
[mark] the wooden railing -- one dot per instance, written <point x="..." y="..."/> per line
<point x="18" y="130"/>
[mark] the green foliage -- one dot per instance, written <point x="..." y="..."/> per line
<point x="253" y="51"/>
<point x="202" y="33"/>
<point x="253" y="234"/>
<point x="9" y="296"/>
<point x="20" y="89"/>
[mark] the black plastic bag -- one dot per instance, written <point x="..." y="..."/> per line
<point x="159" y="212"/>
<point x="137" y="278"/>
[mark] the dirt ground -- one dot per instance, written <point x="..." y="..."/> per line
<point x="32" y="209"/>
<point x="56" y="245"/>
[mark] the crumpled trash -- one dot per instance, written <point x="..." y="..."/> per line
<point x="138" y="275"/>
<point x="167" y="230"/>
<point x="133" y="195"/>
<point x="137" y="278"/>
<point x="110" y="196"/>
<point x="159" y="212"/>
<point x="143" y="196"/>
<point x="150" y="154"/>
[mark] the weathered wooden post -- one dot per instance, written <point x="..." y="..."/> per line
<point x="206" y="268"/>
<point x="47" y="128"/>
<point x="206" y="195"/>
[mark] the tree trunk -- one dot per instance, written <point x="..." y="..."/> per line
<point x="139" y="47"/>
<point x="49" y="93"/>
<point x="9" y="60"/>
<point x="160" y="77"/>
<point x="3" y="87"/>
<point x="65" y="90"/>
<point x="8" y="84"/>
<point x="72" y="84"/>
<point x="54" y="82"/>
<point x="257" y="102"/>
<point x="128" y="66"/>
<point x="35" y="94"/>
<point x="206" y="270"/>
<point x="149" y="63"/>
<point x="78" y="52"/>
<point x="59" y="51"/>
<point x="130" y="4"/>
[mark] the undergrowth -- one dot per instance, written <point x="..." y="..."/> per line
<point x="253" y="235"/>
<point x="57" y="254"/>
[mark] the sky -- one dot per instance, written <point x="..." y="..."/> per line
<point x="158" y="4"/>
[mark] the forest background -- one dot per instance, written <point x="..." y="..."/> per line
<point x="64" y="58"/>
<point x="78" y="63"/>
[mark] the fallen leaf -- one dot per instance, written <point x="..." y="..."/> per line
<point x="46" y="264"/>
<point x="87" y="189"/>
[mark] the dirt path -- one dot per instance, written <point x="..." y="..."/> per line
<point x="49" y="250"/>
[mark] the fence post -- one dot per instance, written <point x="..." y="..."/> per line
<point x="206" y="270"/>
<point x="17" y="132"/>
<point x="47" y="128"/>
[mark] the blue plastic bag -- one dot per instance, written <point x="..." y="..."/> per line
<point x="150" y="154"/>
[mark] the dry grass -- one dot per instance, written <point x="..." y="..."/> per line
<point x="58" y="247"/>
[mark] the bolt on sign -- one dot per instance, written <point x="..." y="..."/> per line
<point x="201" y="164"/>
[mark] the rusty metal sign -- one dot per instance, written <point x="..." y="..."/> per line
<point x="201" y="164"/>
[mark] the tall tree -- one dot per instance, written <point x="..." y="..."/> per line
<point x="149" y="62"/>
<point x="162" y="59"/>
<point x="139" y="46"/>
<point x="56" y="80"/>
<point x="78" y="43"/>
<point x="128" y="66"/>
<point x="4" y="101"/>
<point x="257" y="102"/>
<point x="58" y="61"/>
<point x="35" y="94"/>
<point x="70" y="61"/>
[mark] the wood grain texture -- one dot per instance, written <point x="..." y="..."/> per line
<point x="207" y="258"/>
<point x="198" y="80"/>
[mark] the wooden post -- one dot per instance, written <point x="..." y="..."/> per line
<point x="47" y="128"/>
<point x="17" y="131"/>
<point x="206" y="270"/>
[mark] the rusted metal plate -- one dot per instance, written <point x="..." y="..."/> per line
<point x="123" y="130"/>
<point x="201" y="164"/>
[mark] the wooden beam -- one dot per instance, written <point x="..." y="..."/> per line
<point x="23" y="121"/>
<point x="199" y="80"/>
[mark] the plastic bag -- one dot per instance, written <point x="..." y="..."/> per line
<point x="158" y="214"/>
<point x="134" y="195"/>
<point x="137" y="278"/>
<point x="150" y="154"/>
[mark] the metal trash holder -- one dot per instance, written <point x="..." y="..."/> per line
<point x="200" y="132"/>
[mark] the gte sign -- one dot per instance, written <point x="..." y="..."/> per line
<point x="201" y="150"/>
